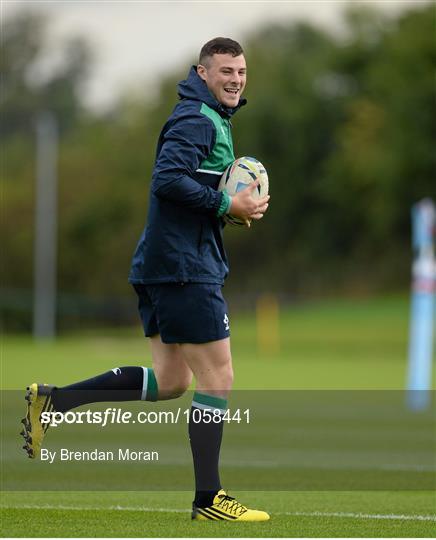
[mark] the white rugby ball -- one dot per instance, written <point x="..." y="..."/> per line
<point x="242" y="172"/>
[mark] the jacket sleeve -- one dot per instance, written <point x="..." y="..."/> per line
<point x="185" y="144"/>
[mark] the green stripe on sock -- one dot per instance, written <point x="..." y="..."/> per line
<point x="210" y="401"/>
<point x="152" y="389"/>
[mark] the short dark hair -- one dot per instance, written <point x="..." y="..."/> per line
<point x="219" y="45"/>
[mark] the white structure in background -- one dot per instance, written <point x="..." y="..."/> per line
<point x="423" y="305"/>
<point x="45" y="244"/>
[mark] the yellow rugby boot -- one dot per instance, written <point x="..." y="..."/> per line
<point x="38" y="397"/>
<point x="227" y="508"/>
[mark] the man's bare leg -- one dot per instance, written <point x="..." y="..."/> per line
<point x="172" y="373"/>
<point x="211" y="364"/>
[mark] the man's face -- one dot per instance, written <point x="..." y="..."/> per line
<point x="225" y="76"/>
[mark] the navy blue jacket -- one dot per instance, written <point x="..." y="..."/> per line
<point x="182" y="240"/>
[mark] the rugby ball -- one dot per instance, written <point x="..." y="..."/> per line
<point x="238" y="176"/>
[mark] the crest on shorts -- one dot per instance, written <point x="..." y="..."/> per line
<point x="226" y="322"/>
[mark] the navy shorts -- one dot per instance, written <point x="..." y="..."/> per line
<point x="183" y="313"/>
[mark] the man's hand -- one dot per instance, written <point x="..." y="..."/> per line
<point x="246" y="207"/>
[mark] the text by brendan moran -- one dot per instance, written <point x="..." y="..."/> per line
<point x="122" y="454"/>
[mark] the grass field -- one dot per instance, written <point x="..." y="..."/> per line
<point x="303" y="514"/>
<point x="360" y="345"/>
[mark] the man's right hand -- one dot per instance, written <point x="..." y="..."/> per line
<point x="246" y="207"/>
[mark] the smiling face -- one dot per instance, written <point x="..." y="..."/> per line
<point x="225" y="76"/>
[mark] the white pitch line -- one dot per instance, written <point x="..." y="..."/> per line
<point x="96" y="508"/>
<point x="359" y="515"/>
<point x="353" y="515"/>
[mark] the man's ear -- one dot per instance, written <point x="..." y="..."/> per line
<point x="201" y="71"/>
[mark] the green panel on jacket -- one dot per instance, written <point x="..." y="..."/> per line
<point x="222" y="153"/>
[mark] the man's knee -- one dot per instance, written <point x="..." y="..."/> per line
<point x="218" y="379"/>
<point x="225" y="378"/>
<point x="223" y="371"/>
<point x="211" y="364"/>
<point x="172" y="373"/>
<point x="174" y="388"/>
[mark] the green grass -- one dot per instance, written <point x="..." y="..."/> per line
<point x="326" y="345"/>
<point x="359" y="344"/>
<point x="302" y="514"/>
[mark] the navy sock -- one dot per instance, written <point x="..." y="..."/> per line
<point x="128" y="383"/>
<point x="205" y="438"/>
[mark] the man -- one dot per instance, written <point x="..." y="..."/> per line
<point x="178" y="270"/>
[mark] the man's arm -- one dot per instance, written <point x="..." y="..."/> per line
<point x="186" y="144"/>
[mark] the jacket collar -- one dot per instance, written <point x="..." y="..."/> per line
<point x="193" y="87"/>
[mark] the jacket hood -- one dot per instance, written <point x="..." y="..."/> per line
<point x="193" y="87"/>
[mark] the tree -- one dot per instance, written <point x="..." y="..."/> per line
<point x="24" y="92"/>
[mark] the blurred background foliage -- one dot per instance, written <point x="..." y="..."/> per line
<point x="343" y="123"/>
